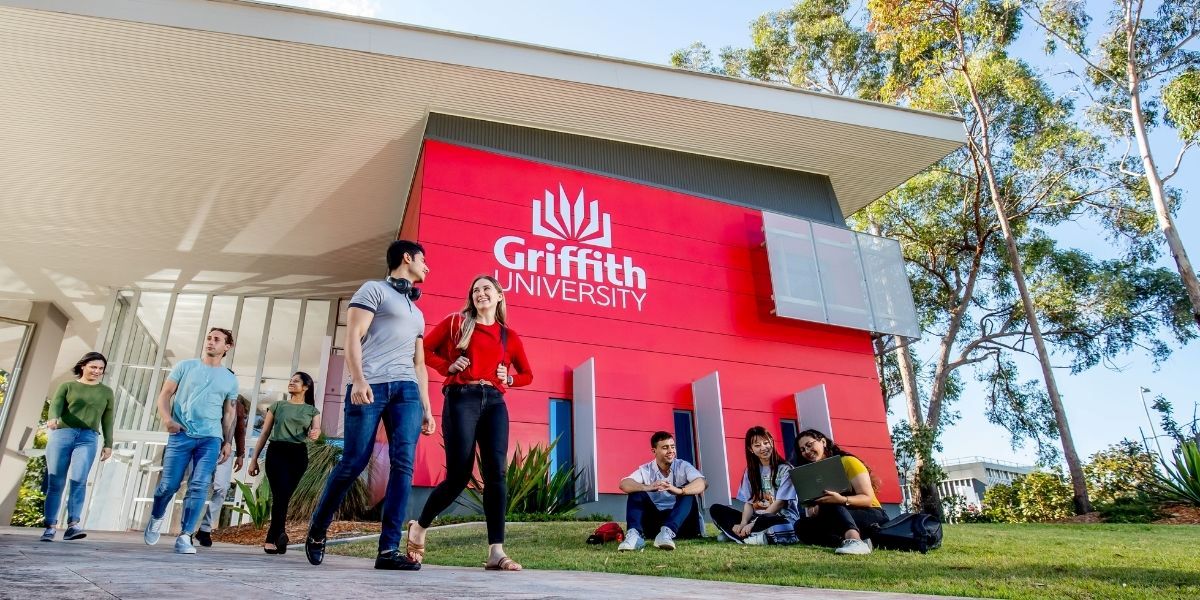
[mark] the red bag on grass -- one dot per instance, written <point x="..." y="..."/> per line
<point x="607" y="532"/>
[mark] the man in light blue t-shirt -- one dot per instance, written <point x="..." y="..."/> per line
<point x="196" y="406"/>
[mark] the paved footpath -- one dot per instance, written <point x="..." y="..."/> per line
<point x="119" y="565"/>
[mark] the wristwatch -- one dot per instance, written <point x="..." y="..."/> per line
<point x="508" y="380"/>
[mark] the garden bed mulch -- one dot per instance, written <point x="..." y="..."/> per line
<point x="1173" y="514"/>
<point x="247" y="535"/>
<point x="1179" y="514"/>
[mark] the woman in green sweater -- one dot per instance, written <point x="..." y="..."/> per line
<point x="79" y="410"/>
<point x="289" y="424"/>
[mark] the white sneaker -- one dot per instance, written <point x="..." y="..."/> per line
<point x="756" y="539"/>
<point x="854" y="547"/>
<point x="665" y="540"/>
<point x="153" y="531"/>
<point x="183" y="544"/>
<point x="633" y="541"/>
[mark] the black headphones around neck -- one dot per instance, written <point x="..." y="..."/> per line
<point x="404" y="287"/>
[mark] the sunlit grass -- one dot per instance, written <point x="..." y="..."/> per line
<point x="997" y="561"/>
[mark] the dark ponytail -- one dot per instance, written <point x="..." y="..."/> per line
<point x="310" y="397"/>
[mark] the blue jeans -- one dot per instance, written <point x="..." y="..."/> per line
<point x="69" y="455"/>
<point x="398" y="404"/>
<point x="643" y="515"/>
<point x="182" y="452"/>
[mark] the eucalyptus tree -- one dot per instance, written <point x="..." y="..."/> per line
<point x="1143" y="71"/>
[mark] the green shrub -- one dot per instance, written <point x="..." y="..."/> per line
<point x="1001" y="504"/>
<point x="1123" y="470"/>
<point x="322" y="458"/>
<point x="1045" y="496"/>
<point x="1180" y="480"/>
<point x="1127" y="509"/>
<point x="1031" y="498"/>
<point x="257" y="503"/>
<point x="31" y="502"/>
<point x="532" y="488"/>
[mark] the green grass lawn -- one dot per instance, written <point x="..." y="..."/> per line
<point x="998" y="561"/>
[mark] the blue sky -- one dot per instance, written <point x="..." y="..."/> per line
<point x="1102" y="404"/>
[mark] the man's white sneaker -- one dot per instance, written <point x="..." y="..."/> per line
<point x="183" y="544"/>
<point x="153" y="531"/>
<point x="854" y="547"/>
<point x="665" y="540"/>
<point x="633" y="541"/>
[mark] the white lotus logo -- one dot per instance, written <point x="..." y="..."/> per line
<point x="569" y="222"/>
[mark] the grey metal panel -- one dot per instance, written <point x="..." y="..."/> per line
<point x="710" y="438"/>
<point x="812" y="408"/>
<point x="784" y="191"/>
<point x="583" y="385"/>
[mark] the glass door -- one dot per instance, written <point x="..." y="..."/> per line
<point x="14" y="341"/>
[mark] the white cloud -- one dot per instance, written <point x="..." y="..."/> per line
<point x="359" y="8"/>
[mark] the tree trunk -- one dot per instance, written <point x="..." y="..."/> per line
<point x="1166" y="222"/>
<point x="1078" y="482"/>
<point x="925" y="495"/>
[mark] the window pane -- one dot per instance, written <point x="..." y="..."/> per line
<point x="842" y="280"/>
<point x="151" y="314"/>
<point x="685" y="441"/>
<point x="249" y="336"/>
<point x="789" y="429"/>
<point x="793" y="263"/>
<point x="891" y="297"/>
<point x="281" y="343"/>
<point x="560" y="430"/>
<point x="316" y="320"/>
<point x="185" y="328"/>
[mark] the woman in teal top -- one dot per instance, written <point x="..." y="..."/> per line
<point x="289" y="424"/>
<point x="79" y="410"/>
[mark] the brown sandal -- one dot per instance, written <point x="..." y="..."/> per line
<point x="504" y="564"/>
<point x="415" y="551"/>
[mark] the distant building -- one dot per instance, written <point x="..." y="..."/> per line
<point x="970" y="477"/>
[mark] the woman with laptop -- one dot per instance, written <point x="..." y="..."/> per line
<point x="768" y="498"/>
<point x="837" y="516"/>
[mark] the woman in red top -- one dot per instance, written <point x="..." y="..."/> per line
<point x="480" y="357"/>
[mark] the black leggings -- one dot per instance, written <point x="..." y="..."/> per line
<point x="725" y="517"/>
<point x="829" y="526"/>
<point x="473" y="414"/>
<point x="286" y="464"/>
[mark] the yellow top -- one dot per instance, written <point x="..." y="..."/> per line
<point x="854" y="468"/>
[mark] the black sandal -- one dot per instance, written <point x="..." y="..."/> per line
<point x="281" y="543"/>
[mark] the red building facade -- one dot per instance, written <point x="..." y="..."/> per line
<point x="658" y="287"/>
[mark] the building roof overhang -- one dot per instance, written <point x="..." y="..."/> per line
<point x="238" y="147"/>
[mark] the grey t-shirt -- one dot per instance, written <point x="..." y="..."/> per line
<point x="681" y="473"/>
<point x="391" y="340"/>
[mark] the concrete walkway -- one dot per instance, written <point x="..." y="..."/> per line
<point x="120" y="565"/>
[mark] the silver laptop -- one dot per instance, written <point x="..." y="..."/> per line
<point x="813" y="479"/>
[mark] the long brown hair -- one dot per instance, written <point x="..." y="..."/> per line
<point x="831" y="450"/>
<point x="753" y="463"/>
<point x="470" y="314"/>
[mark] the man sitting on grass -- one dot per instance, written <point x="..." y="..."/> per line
<point x="662" y="497"/>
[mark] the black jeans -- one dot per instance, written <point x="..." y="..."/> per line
<point x="643" y="515"/>
<point x="286" y="464"/>
<point x="473" y="415"/>
<point x="829" y="526"/>
<point x="725" y="517"/>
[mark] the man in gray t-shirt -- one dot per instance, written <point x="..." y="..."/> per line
<point x="385" y="356"/>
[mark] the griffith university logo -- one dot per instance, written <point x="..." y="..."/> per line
<point x="564" y="269"/>
<point x="568" y="224"/>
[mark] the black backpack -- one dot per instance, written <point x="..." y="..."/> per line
<point x="911" y="532"/>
